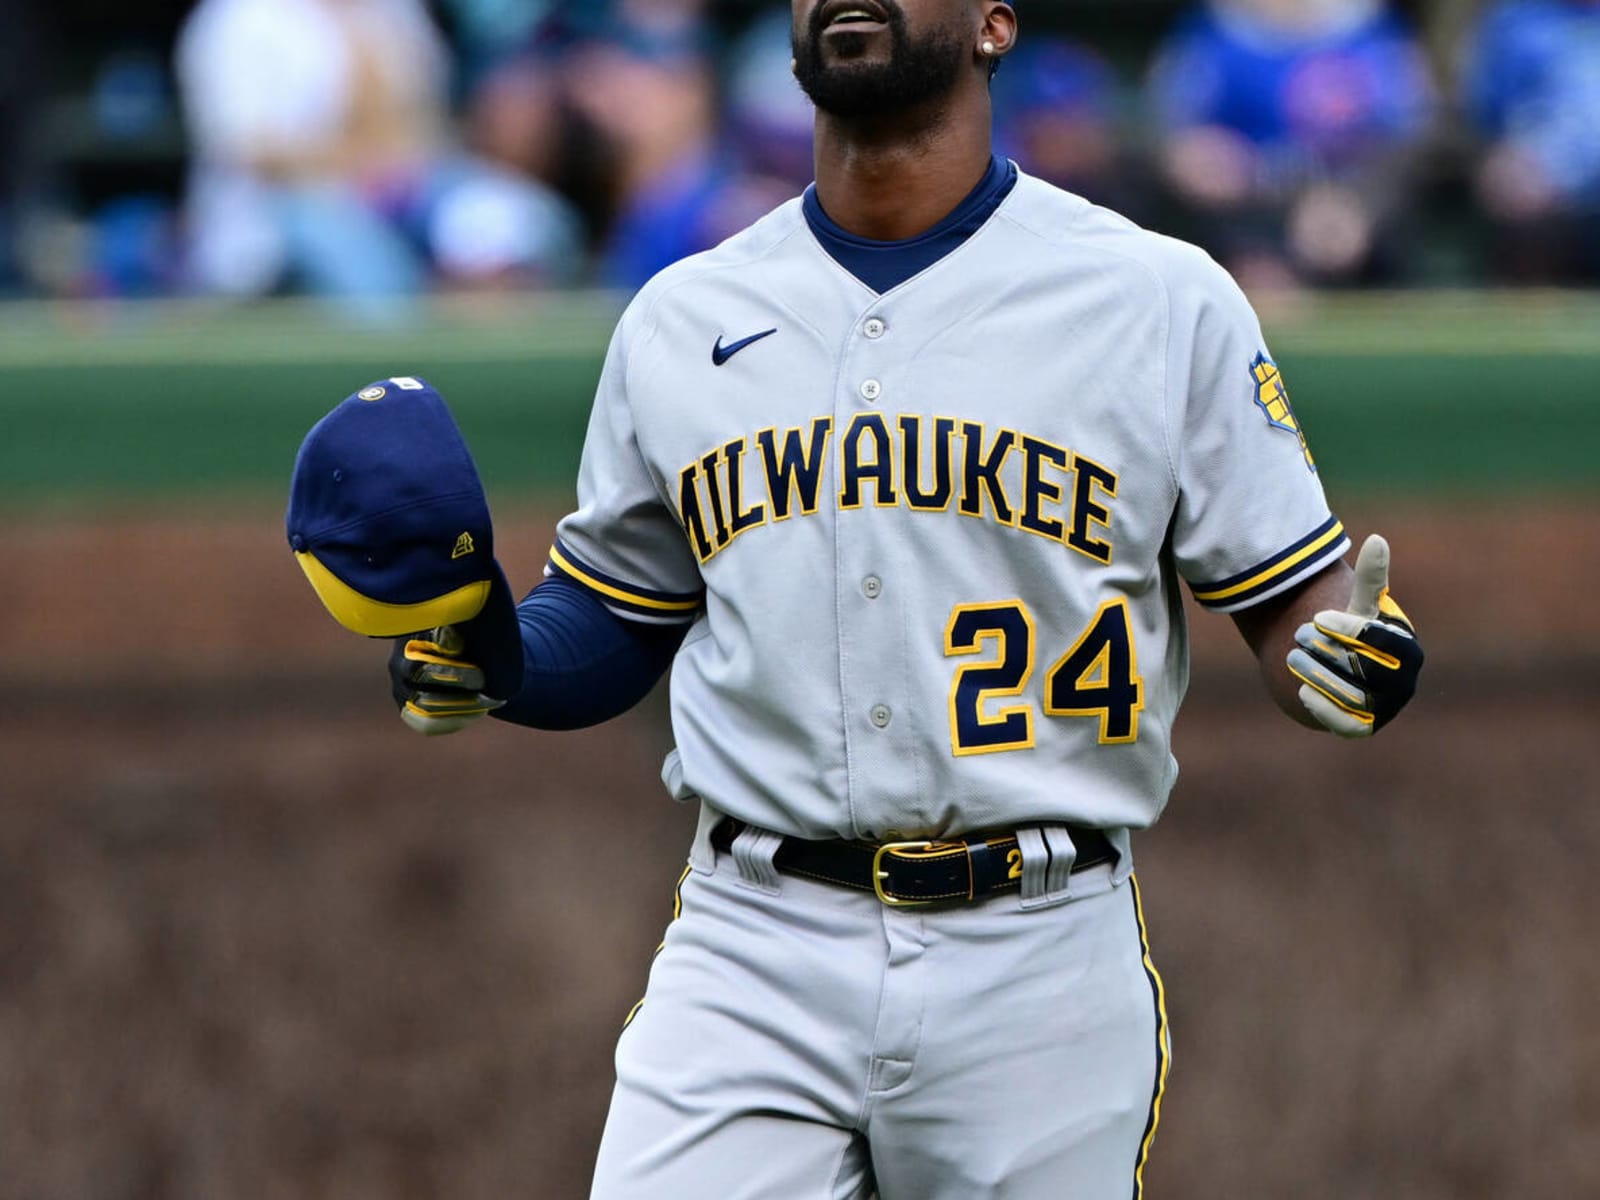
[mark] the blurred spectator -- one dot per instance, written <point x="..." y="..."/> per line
<point x="768" y="118"/>
<point x="131" y="243"/>
<point x="1533" y="90"/>
<point x="20" y="58"/>
<point x="647" y="90"/>
<point x="1056" y="115"/>
<point x="323" y="158"/>
<point x="132" y="248"/>
<point x="1289" y="132"/>
<point x="488" y="33"/>
<point x="516" y="117"/>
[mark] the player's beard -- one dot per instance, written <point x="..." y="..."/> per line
<point x="917" y="70"/>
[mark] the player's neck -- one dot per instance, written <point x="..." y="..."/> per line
<point x="888" y="184"/>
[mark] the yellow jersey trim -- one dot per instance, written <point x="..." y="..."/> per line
<point x="616" y="593"/>
<point x="1284" y="566"/>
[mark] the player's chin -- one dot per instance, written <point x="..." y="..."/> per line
<point x="851" y="89"/>
<point x="841" y="56"/>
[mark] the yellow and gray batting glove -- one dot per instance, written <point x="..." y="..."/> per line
<point x="437" y="690"/>
<point x="1359" y="667"/>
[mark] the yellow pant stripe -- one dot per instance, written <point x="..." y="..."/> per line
<point x="677" y="911"/>
<point x="1163" y="1043"/>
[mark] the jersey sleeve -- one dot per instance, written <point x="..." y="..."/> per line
<point x="1252" y="519"/>
<point x="624" y="542"/>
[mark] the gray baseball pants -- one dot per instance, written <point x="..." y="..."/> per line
<point x="802" y="1040"/>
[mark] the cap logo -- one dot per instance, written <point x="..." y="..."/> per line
<point x="373" y="393"/>
<point x="464" y="547"/>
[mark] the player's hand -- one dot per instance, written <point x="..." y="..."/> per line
<point x="437" y="690"/>
<point x="1359" y="667"/>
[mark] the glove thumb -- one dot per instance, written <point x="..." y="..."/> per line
<point x="1372" y="578"/>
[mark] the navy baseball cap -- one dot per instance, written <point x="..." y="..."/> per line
<point x="388" y="520"/>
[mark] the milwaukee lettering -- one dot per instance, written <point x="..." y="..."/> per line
<point x="926" y="464"/>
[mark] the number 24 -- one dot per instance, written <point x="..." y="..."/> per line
<point x="1097" y="677"/>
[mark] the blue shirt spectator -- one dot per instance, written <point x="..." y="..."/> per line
<point x="670" y="218"/>
<point x="1328" y="91"/>
<point x="647" y="90"/>
<point x="1534" y="84"/>
<point x="1283" y="125"/>
<point x="1056" y="114"/>
<point x="1532" y="89"/>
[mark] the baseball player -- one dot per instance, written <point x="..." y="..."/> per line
<point x="903" y="483"/>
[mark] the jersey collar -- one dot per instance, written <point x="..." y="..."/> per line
<point x="883" y="266"/>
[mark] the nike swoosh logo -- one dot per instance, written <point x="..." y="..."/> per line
<point x="721" y="354"/>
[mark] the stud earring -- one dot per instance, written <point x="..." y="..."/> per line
<point x="988" y="47"/>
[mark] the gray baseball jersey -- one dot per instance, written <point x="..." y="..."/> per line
<point x="932" y="541"/>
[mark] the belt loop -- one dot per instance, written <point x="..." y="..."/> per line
<point x="753" y="851"/>
<point x="1052" y="850"/>
<point x="1063" y="857"/>
<point x="1035" y="867"/>
<point x="1122" y="843"/>
<point x="702" y="855"/>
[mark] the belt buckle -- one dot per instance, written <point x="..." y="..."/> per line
<point x="879" y="874"/>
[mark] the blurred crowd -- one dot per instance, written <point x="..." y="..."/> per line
<point x="372" y="151"/>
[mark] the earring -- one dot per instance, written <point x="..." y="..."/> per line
<point x="794" y="66"/>
<point x="988" y="46"/>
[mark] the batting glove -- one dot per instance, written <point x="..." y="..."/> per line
<point x="438" y="691"/>
<point x="1359" y="667"/>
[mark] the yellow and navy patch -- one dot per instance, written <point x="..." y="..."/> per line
<point x="1273" y="399"/>
<point x="375" y="392"/>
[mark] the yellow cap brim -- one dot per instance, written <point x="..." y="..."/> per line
<point x="374" y="618"/>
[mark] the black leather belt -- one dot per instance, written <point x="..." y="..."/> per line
<point x="912" y="873"/>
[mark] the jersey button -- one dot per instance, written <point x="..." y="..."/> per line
<point x="871" y="389"/>
<point x="874" y="329"/>
<point x="881" y="715"/>
<point x="872" y="587"/>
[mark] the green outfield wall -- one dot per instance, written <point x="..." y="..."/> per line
<point x="1476" y="394"/>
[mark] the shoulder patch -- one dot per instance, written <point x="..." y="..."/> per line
<point x="1273" y="399"/>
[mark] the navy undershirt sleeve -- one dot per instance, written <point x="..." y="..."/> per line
<point x="583" y="663"/>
